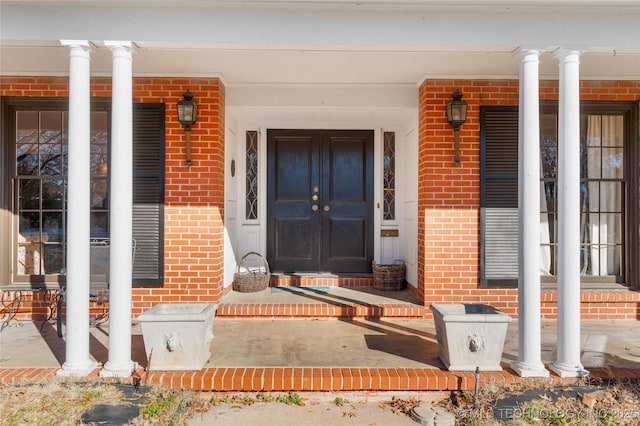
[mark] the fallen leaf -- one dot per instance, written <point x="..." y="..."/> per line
<point x="589" y="400"/>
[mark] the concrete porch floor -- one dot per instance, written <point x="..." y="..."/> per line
<point x="272" y="353"/>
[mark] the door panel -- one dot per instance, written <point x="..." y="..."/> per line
<point x="320" y="200"/>
<point x="293" y="227"/>
<point x="348" y="193"/>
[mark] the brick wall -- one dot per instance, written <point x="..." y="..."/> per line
<point x="449" y="198"/>
<point x="194" y="196"/>
<point x="449" y="201"/>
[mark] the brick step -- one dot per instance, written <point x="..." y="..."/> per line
<point x="321" y="310"/>
<point x="319" y="280"/>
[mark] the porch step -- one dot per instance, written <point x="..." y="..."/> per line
<point x="321" y="302"/>
<point x="319" y="310"/>
<point x="319" y="280"/>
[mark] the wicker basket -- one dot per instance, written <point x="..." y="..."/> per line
<point x="251" y="280"/>
<point x="389" y="277"/>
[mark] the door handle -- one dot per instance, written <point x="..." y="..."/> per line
<point x="314" y="207"/>
<point x="326" y="208"/>
<point x="314" y="197"/>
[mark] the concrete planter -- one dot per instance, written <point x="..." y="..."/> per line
<point x="177" y="335"/>
<point x="470" y="336"/>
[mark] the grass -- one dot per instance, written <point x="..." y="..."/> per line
<point x="63" y="402"/>
<point x="58" y="402"/>
<point x="291" y="398"/>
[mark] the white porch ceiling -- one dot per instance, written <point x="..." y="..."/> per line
<point x="313" y="42"/>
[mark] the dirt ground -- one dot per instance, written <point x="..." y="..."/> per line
<point x="66" y="402"/>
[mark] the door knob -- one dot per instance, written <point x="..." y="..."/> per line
<point x="326" y="208"/>
<point x="314" y="207"/>
<point x="314" y="197"/>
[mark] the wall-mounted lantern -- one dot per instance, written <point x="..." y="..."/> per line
<point x="456" y="115"/>
<point x="187" y="115"/>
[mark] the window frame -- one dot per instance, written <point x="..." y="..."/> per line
<point x="9" y="280"/>
<point x="631" y="179"/>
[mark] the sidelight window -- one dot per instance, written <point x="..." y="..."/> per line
<point x="251" y="185"/>
<point x="389" y="164"/>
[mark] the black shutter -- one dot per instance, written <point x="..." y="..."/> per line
<point x="499" y="196"/>
<point x="148" y="194"/>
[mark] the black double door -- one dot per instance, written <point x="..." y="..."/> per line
<point x="320" y="200"/>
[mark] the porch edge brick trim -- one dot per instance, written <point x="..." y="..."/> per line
<point x="317" y="379"/>
<point x="320" y="310"/>
<point x="284" y="379"/>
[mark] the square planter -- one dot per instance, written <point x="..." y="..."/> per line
<point x="177" y="335"/>
<point x="470" y="336"/>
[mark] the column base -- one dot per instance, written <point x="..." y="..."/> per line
<point x="76" y="370"/>
<point x="525" y="369"/>
<point x="111" y="369"/>
<point x="568" y="370"/>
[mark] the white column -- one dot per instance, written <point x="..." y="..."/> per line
<point x="529" y="363"/>
<point x="119" y="363"/>
<point x="77" y="359"/>
<point x="567" y="362"/>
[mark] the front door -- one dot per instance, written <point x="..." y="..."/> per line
<point x="320" y="200"/>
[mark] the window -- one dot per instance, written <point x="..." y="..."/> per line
<point x="251" y="186"/>
<point x="389" y="177"/>
<point x="34" y="191"/>
<point x="607" y="146"/>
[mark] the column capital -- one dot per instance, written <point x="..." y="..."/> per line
<point x="568" y="54"/>
<point x="116" y="44"/>
<point x="524" y="51"/>
<point x="76" y="43"/>
<point x="121" y="49"/>
<point x="78" y="48"/>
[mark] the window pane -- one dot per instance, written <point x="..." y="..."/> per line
<point x="65" y="159"/>
<point x="99" y="193"/>
<point x="549" y="145"/>
<point x="50" y="127"/>
<point x="29" y="227"/>
<point x="99" y="224"/>
<point x="610" y="197"/>
<point x="29" y="194"/>
<point x="594" y="163"/>
<point x="53" y="258"/>
<point x="51" y="160"/>
<point x="593" y="196"/>
<point x="546" y="249"/>
<point x="53" y="194"/>
<point x="99" y="127"/>
<point x="26" y="159"/>
<point x="612" y="163"/>
<point x="251" y="188"/>
<point x="27" y="127"/>
<point x="99" y="160"/>
<point x="52" y="229"/>
<point x="29" y="259"/>
<point x="389" y="179"/>
<point x="548" y="200"/>
<point x="612" y="130"/>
